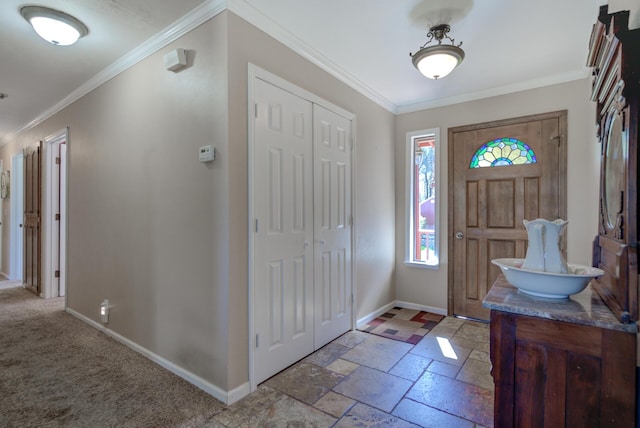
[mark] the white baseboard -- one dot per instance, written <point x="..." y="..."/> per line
<point x="400" y="304"/>
<point x="230" y="397"/>
<point x="227" y="397"/>
<point x="238" y="393"/>
<point x="432" y="309"/>
<point x="364" y="320"/>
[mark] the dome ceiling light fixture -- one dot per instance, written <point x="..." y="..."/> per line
<point x="54" y="26"/>
<point x="437" y="61"/>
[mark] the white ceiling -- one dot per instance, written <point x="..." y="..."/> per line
<point x="510" y="45"/>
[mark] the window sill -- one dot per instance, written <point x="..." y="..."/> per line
<point x="421" y="265"/>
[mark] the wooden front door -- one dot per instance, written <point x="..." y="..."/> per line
<point x="501" y="173"/>
<point x="32" y="215"/>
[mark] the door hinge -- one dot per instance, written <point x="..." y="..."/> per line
<point x="557" y="139"/>
<point x="58" y="160"/>
<point x="57" y="216"/>
<point x="257" y="340"/>
<point x="56" y="274"/>
<point x="255" y="110"/>
<point x="256" y="226"/>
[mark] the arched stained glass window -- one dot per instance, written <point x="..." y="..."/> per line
<point x="501" y="152"/>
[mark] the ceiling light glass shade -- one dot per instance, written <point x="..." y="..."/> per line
<point x="438" y="60"/>
<point x="54" y="26"/>
<point x="435" y="62"/>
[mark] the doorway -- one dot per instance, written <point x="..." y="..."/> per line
<point x="3" y="194"/>
<point x="17" y="214"/>
<point x="54" y="214"/>
<point x="32" y="224"/>
<point x="500" y="174"/>
<point x="301" y="225"/>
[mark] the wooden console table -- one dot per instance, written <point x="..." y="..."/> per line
<point x="560" y="363"/>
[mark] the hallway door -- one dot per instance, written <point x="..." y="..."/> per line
<point x="5" y="183"/>
<point x="54" y="216"/>
<point x="17" y="217"/>
<point x="32" y="218"/>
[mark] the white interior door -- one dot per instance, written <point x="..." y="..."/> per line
<point x="332" y="224"/>
<point x="283" y="254"/>
<point x="17" y="216"/>
<point x="301" y="203"/>
<point x="1" y="227"/>
<point x="51" y="217"/>
<point x="62" y="261"/>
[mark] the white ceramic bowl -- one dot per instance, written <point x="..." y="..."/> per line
<point x="547" y="284"/>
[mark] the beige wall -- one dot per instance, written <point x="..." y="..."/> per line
<point x="633" y="6"/>
<point x="374" y="201"/>
<point x="164" y="237"/>
<point x="148" y="223"/>
<point x="429" y="286"/>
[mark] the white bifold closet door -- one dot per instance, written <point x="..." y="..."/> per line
<point x="302" y="233"/>
<point x="332" y="224"/>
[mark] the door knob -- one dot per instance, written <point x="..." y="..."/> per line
<point x="20" y="225"/>
<point x="459" y="235"/>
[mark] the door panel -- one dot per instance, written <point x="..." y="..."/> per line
<point x="488" y="204"/>
<point x="32" y="221"/>
<point x="17" y="217"/>
<point x="5" y="180"/>
<point x="332" y="229"/>
<point x="283" y="256"/>
<point x="302" y="255"/>
<point x="532" y="199"/>
<point x="62" y="222"/>
<point x="501" y="203"/>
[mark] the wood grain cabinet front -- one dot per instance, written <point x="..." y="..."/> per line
<point x="551" y="373"/>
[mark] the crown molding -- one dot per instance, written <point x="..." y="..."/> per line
<point x="182" y="26"/>
<point x="244" y="10"/>
<point x="256" y="18"/>
<point x="494" y="92"/>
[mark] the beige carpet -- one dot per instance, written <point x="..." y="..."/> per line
<point x="9" y="284"/>
<point x="56" y="371"/>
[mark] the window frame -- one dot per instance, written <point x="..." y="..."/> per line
<point x="411" y="138"/>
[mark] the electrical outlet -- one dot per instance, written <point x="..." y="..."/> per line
<point x="104" y="311"/>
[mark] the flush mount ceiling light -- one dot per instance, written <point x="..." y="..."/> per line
<point x="54" y="26"/>
<point x="436" y="61"/>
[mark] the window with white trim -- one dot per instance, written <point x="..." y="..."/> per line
<point x="422" y="199"/>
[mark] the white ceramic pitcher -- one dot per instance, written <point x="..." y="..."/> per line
<point x="543" y="252"/>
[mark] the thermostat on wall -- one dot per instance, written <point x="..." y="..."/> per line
<point x="207" y="154"/>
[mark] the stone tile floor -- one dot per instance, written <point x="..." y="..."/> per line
<point x="362" y="380"/>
